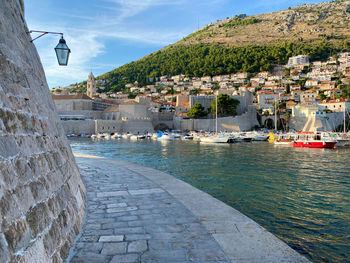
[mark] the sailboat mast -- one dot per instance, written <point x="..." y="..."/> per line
<point x="216" y="107"/>
<point x="345" y="118"/>
<point x="275" y="115"/>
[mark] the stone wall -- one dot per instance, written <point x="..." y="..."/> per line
<point x="79" y="127"/>
<point x="41" y="191"/>
<point x="106" y="126"/>
<point x="244" y="122"/>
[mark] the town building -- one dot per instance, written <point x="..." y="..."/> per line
<point x="298" y="60"/>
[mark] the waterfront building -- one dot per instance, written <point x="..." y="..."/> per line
<point x="267" y="98"/>
<point x="338" y="105"/>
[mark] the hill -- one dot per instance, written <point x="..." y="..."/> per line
<point x="244" y="43"/>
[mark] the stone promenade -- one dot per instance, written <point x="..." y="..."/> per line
<point x="138" y="214"/>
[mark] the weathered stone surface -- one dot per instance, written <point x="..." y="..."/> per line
<point x="111" y="238"/>
<point x="4" y="252"/>
<point x="137" y="246"/>
<point x="177" y="224"/>
<point x="114" y="248"/>
<point x="42" y="196"/>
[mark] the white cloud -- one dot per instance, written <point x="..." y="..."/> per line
<point x="88" y="34"/>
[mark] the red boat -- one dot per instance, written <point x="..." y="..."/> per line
<point x="314" y="144"/>
<point x="313" y="140"/>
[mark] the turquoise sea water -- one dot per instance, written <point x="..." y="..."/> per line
<point x="300" y="195"/>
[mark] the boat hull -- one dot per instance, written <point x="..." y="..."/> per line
<point x="314" y="144"/>
<point x="214" y="139"/>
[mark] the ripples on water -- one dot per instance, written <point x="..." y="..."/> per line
<point x="300" y="195"/>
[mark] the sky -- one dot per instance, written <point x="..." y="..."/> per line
<point x="106" y="34"/>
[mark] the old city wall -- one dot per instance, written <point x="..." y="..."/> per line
<point x="244" y="122"/>
<point x="41" y="191"/>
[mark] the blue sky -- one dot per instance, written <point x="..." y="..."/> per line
<point x="105" y="34"/>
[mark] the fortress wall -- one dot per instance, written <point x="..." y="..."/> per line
<point x="41" y="191"/>
<point x="244" y="122"/>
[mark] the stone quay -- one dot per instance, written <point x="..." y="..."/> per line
<point x="139" y="214"/>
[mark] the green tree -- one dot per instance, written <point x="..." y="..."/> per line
<point x="288" y="89"/>
<point x="197" y="111"/>
<point x="227" y="106"/>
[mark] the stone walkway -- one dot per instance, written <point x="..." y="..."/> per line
<point x="130" y="218"/>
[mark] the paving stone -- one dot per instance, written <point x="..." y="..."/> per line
<point x="117" y="205"/>
<point x="83" y="257"/>
<point x="127" y="218"/>
<point x="129" y="230"/>
<point x="131" y="219"/>
<point x="121" y="209"/>
<point x="128" y="258"/>
<point x="131" y="237"/>
<point x="146" y="191"/>
<point x="110" y="194"/>
<point x="137" y="246"/>
<point x="118" y="238"/>
<point x="114" y="248"/>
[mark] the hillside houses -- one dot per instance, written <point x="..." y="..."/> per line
<point x="304" y="82"/>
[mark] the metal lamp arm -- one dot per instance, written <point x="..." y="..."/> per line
<point x="42" y="33"/>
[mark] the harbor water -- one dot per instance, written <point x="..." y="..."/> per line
<point x="300" y="195"/>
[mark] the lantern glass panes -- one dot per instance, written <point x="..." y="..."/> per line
<point x="62" y="52"/>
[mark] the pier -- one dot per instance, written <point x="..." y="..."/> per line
<point x="139" y="214"/>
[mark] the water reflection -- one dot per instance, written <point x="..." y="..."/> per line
<point x="301" y="195"/>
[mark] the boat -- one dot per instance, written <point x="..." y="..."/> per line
<point x="103" y="136"/>
<point x="116" y="136"/>
<point x="176" y="134"/>
<point x="165" y="136"/>
<point x="284" y="139"/>
<point x="239" y="137"/>
<point x="216" y="138"/>
<point x="126" y="136"/>
<point x="343" y="140"/>
<point x="187" y="136"/>
<point x="313" y="140"/>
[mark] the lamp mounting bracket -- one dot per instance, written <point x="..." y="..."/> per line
<point x="42" y="33"/>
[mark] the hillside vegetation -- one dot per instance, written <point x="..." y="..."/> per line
<point x="245" y="43"/>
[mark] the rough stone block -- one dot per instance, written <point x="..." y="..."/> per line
<point x="137" y="246"/>
<point x="128" y="258"/>
<point x="118" y="238"/>
<point x="8" y="146"/>
<point x="9" y="209"/>
<point x="4" y="252"/>
<point x="114" y="248"/>
<point x="18" y="235"/>
<point x="38" y="218"/>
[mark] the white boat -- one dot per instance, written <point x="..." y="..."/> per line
<point x="257" y="136"/>
<point x="343" y="140"/>
<point x="165" y="137"/>
<point x="116" y="136"/>
<point x="133" y="137"/>
<point x="154" y="136"/>
<point x="94" y="136"/>
<point x="187" y="137"/>
<point x="126" y="135"/>
<point x="214" y="139"/>
<point x="103" y="136"/>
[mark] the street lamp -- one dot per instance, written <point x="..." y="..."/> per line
<point x="62" y="50"/>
